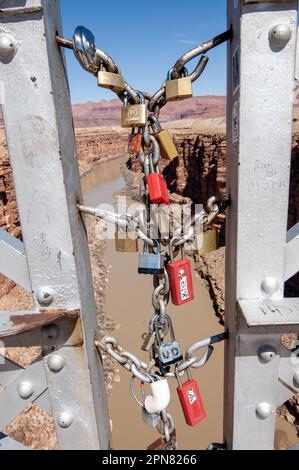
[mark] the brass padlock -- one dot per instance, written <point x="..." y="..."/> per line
<point x="126" y="241"/>
<point x="112" y="81"/>
<point x="207" y="241"/>
<point x="167" y="146"/>
<point x="133" y="115"/>
<point x="179" y="88"/>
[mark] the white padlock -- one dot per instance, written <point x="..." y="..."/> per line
<point x="160" y="398"/>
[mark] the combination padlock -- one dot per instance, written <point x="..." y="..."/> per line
<point x="112" y="81"/>
<point x="135" y="142"/>
<point x="169" y="352"/>
<point x="207" y="241"/>
<point x="157" y="187"/>
<point x="151" y="263"/>
<point x="180" y="278"/>
<point x="191" y="401"/>
<point x="133" y="115"/>
<point x="167" y="146"/>
<point x="180" y="88"/>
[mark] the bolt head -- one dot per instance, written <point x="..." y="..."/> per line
<point x="279" y="35"/>
<point x="296" y="379"/>
<point x="7" y="47"/>
<point x="55" y="363"/>
<point x="264" y="410"/>
<point x="65" y="419"/>
<point x="45" y="296"/>
<point x="51" y="331"/>
<point x="266" y="353"/>
<point x="270" y="286"/>
<point x="25" y="390"/>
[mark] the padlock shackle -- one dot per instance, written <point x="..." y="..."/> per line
<point x="184" y="73"/>
<point x="155" y="123"/>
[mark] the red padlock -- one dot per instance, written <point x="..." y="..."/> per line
<point x="191" y="401"/>
<point x="157" y="189"/>
<point x="180" y="280"/>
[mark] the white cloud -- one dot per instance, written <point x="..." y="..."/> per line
<point x="186" y="41"/>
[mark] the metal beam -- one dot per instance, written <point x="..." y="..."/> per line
<point x="42" y="152"/>
<point x="261" y="63"/>
<point x="13" y="262"/>
<point x="292" y="253"/>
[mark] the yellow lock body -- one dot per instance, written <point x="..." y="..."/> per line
<point x="111" y="81"/>
<point x="167" y="146"/>
<point x="126" y="243"/>
<point x="207" y="242"/>
<point x="133" y="115"/>
<point x="179" y="89"/>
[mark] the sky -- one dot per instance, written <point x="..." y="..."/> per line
<point x="146" y="39"/>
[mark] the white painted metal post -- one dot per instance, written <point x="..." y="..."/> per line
<point x="39" y="128"/>
<point x="259" y="371"/>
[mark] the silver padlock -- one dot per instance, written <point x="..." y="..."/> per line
<point x="170" y="352"/>
<point x="151" y="419"/>
<point x="151" y="263"/>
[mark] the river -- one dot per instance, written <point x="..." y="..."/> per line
<point x="128" y="302"/>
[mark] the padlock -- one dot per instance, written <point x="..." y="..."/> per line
<point x="151" y="263"/>
<point x="170" y="352"/>
<point x="148" y="341"/>
<point x="157" y="187"/>
<point x="126" y="242"/>
<point x="180" y="88"/>
<point x="180" y="278"/>
<point x="167" y="146"/>
<point x="126" y="239"/>
<point x="159" y="398"/>
<point x="135" y="142"/>
<point x="191" y="401"/>
<point x="151" y="419"/>
<point x="207" y="241"/>
<point x="161" y="444"/>
<point x="134" y="115"/>
<point x="112" y="81"/>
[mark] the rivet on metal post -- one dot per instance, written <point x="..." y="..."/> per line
<point x="51" y="331"/>
<point x="25" y="390"/>
<point x="296" y="379"/>
<point x="65" y="419"/>
<point x="266" y="353"/>
<point x="45" y="296"/>
<point x="270" y="286"/>
<point x="279" y="35"/>
<point x="55" y="363"/>
<point x="264" y="410"/>
<point x="8" y="47"/>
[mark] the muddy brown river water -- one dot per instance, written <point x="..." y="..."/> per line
<point x="128" y="302"/>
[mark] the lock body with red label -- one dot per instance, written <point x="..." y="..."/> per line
<point x="157" y="189"/>
<point x="191" y="403"/>
<point x="180" y="280"/>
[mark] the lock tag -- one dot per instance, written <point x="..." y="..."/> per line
<point x="160" y="397"/>
<point x="191" y="402"/>
<point x="180" y="280"/>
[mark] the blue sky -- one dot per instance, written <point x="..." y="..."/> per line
<point x="145" y="39"/>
